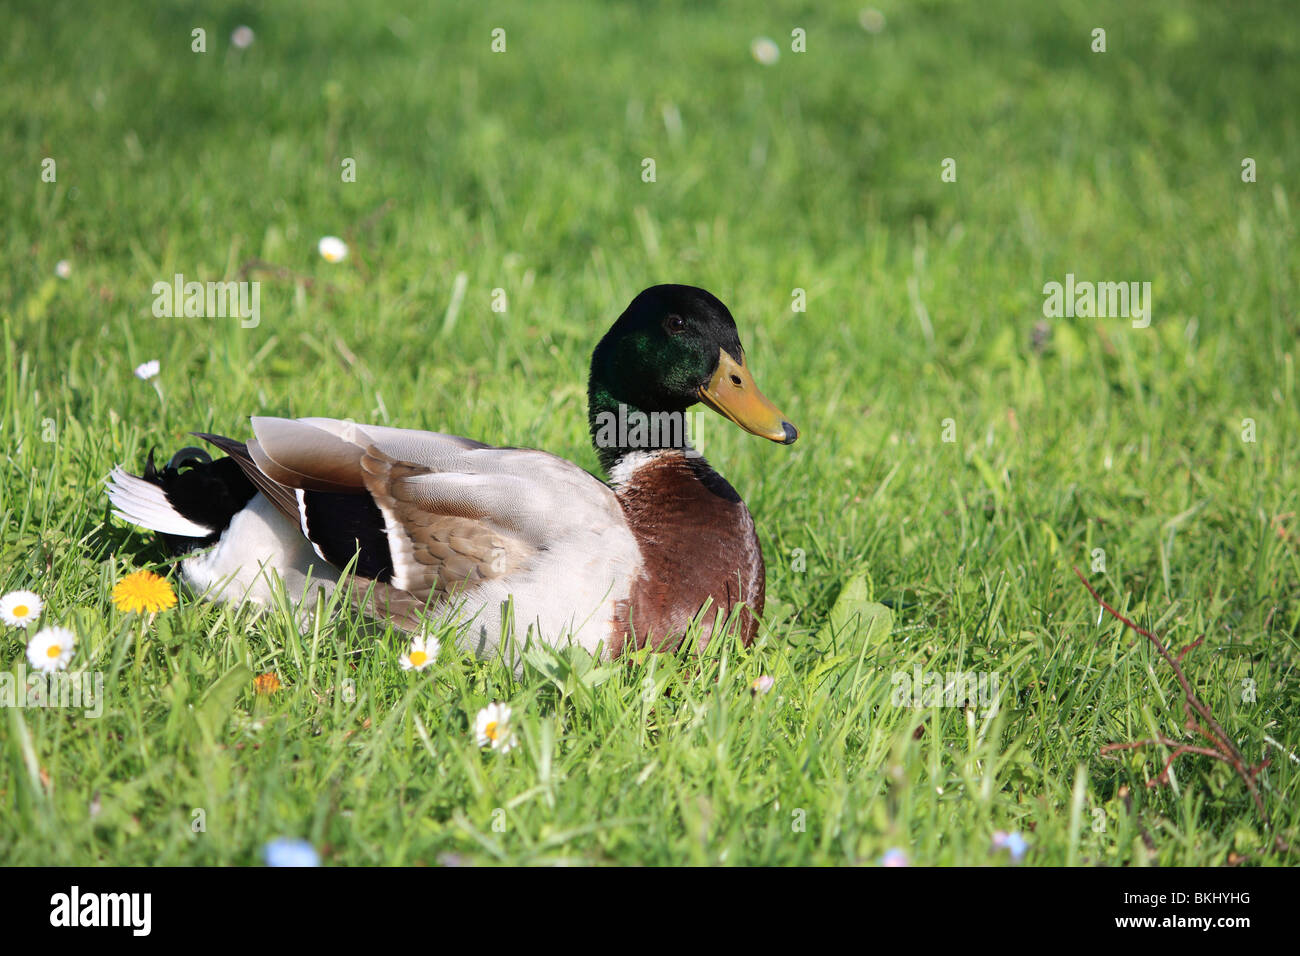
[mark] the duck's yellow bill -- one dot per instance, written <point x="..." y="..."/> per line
<point x="731" y="393"/>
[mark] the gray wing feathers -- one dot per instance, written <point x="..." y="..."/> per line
<point x="532" y="493"/>
<point x="457" y="512"/>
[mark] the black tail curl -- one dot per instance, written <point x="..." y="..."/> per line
<point x="206" y="492"/>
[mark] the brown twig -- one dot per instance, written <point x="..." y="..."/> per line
<point x="280" y="272"/>
<point x="1221" y="746"/>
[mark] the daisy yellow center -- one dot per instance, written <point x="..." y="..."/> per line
<point x="54" y="651"/>
<point x="20" y="610"/>
<point x="418" y="658"/>
<point x="491" y="731"/>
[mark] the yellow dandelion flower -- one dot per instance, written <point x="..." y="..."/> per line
<point x="144" y="591"/>
<point x="267" y="683"/>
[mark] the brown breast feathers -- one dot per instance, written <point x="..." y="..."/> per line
<point x="697" y="542"/>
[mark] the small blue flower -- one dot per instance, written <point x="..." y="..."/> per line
<point x="286" y="852"/>
<point x="894" y="857"/>
<point x="1013" y="843"/>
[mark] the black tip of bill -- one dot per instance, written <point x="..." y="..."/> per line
<point x="791" y="433"/>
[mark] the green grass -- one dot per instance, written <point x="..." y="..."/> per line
<point x="522" y="171"/>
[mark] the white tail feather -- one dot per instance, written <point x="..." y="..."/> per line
<point x="143" y="503"/>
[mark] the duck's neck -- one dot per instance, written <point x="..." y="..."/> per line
<point x="619" y="429"/>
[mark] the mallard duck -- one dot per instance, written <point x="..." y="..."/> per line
<point x="431" y="523"/>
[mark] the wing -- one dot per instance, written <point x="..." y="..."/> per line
<point x="432" y="515"/>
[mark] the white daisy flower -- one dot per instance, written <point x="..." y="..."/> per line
<point x="333" y="249"/>
<point x="20" y="608"/>
<point x="242" y="37"/>
<point x="423" y="652"/>
<point x="63" y="269"/>
<point x="492" y="728"/>
<point x="762" y="685"/>
<point x="765" y="50"/>
<point x="51" y="649"/>
<point x="148" y="370"/>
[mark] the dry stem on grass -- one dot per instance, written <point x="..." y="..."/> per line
<point x="1199" y="720"/>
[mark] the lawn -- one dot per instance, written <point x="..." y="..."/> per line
<point x="960" y="453"/>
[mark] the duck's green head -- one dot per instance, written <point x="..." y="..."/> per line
<point x="673" y="347"/>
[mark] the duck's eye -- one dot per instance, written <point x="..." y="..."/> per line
<point x="675" y="324"/>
